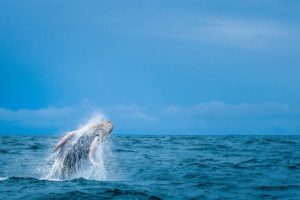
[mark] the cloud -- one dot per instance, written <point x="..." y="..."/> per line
<point x="59" y="119"/>
<point x="221" y="109"/>
<point x="225" y="30"/>
<point x="48" y="118"/>
<point x="240" y="33"/>
<point x="245" y="33"/>
<point x="214" y="117"/>
<point x="220" y="117"/>
<point x="132" y="118"/>
<point x="133" y="112"/>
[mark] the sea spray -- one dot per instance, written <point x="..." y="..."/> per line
<point x="73" y="157"/>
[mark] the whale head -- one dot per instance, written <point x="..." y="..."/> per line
<point x="104" y="127"/>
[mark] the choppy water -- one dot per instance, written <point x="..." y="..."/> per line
<point x="161" y="167"/>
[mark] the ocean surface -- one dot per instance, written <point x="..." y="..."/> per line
<point x="159" y="167"/>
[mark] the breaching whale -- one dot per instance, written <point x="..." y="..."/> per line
<point x="76" y="150"/>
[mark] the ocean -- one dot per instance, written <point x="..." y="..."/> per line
<point x="159" y="167"/>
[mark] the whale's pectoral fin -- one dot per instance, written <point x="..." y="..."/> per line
<point x="63" y="141"/>
<point x="93" y="150"/>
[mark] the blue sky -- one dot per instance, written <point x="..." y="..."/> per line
<point x="153" y="67"/>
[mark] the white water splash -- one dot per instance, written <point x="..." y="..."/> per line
<point x="71" y="161"/>
<point x="95" y="117"/>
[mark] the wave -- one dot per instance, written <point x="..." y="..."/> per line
<point x="294" y="166"/>
<point x="4" y="151"/>
<point x="95" y="193"/>
<point x="3" y="178"/>
<point x="278" y="187"/>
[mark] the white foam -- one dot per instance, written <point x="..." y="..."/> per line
<point x="96" y="117"/>
<point x="3" y="178"/>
